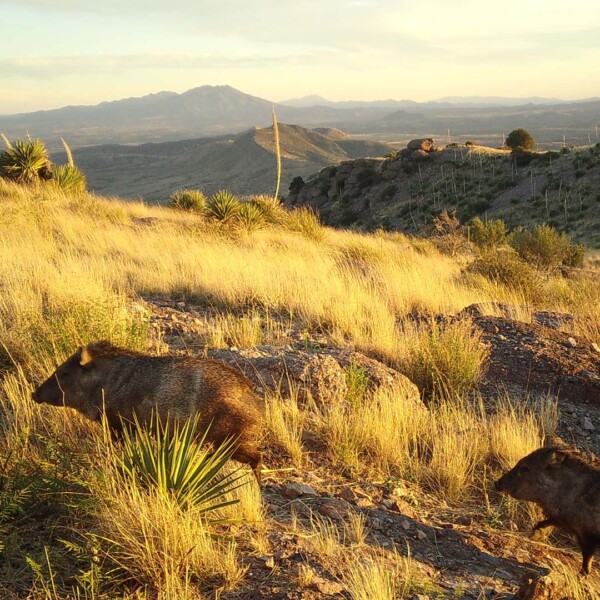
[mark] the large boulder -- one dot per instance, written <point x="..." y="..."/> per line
<point x="321" y="373"/>
<point x="425" y="144"/>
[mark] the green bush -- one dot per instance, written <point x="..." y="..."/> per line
<point x="488" y="234"/>
<point x="520" y="138"/>
<point x="25" y="161"/>
<point x="546" y="248"/>
<point x="192" y="200"/>
<point x="223" y="207"/>
<point x="171" y="458"/>
<point x="250" y="217"/>
<point x="69" y="178"/>
<point x="506" y="268"/>
<point x="271" y="208"/>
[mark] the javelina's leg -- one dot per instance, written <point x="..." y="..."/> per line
<point x="537" y="535"/>
<point x="545" y="523"/>
<point x="250" y="457"/>
<point x="588" y="547"/>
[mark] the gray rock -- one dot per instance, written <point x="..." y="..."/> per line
<point x="293" y="490"/>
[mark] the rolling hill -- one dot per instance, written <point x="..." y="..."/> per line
<point x="243" y="163"/>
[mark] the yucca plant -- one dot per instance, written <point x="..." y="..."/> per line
<point x="69" y="178"/>
<point x="223" y="206"/>
<point x="173" y="458"/>
<point x="250" y="217"/>
<point x="25" y="161"/>
<point x="192" y="200"/>
<point x="271" y="207"/>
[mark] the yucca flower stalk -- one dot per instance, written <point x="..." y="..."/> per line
<point x="277" y="152"/>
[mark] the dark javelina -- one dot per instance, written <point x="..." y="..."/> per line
<point x="566" y="484"/>
<point x="126" y="382"/>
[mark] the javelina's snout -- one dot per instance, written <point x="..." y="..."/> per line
<point x="498" y="484"/>
<point x="35" y="397"/>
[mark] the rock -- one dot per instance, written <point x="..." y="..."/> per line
<point x="293" y="490"/>
<point x="425" y="144"/>
<point x="586" y="423"/>
<point x="329" y="588"/>
<point x="541" y="588"/>
<point x="421" y="535"/>
<point x="419" y="155"/>
<point x="572" y="342"/>
<point x="322" y="372"/>
<point x="348" y="494"/>
<point x="335" y="508"/>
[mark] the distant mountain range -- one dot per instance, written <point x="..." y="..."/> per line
<point x="219" y="110"/>
<point x="243" y="163"/>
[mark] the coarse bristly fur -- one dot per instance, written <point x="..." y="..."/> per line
<point x="101" y="378"/>
<point x="565" y="483"/>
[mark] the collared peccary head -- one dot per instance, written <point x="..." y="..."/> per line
<point x="70" y="384"/>
<point x="534" y="476"/>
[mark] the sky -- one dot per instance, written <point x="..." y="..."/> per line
<point x="63" y="52"/>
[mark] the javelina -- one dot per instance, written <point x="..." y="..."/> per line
<point x="566" y="484"/>
<point x="121" y="382"/>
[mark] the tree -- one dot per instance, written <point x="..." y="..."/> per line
<point x="520" y="138"/>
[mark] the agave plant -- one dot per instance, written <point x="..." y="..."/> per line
<point x="192" y="200"/>
<point x="271" y="207"/>
<point x="250" y="217"/>
<point x="69" y="178"/>
<point x="223" y="206"/>
<point x="25" y="161"/>
<point x="173" y="459"/>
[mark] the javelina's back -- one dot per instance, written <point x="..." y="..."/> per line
<point x="123" y="383"/>
<point x="566" y="484"/>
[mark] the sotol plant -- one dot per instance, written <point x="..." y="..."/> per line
<point x="25" y="161"/>
<point x="223" y="207"/>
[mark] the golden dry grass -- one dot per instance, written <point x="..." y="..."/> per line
<point x="71" y="270"/>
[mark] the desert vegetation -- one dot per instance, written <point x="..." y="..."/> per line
<point x="76" y="268"/>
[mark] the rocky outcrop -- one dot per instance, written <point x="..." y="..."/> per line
<point x="321" y="373"/>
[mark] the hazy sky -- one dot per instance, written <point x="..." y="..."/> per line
<point x="58" y="52"/>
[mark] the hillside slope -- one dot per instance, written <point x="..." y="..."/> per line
<point x="402" y="193"/>
<point x="243" y="163"/>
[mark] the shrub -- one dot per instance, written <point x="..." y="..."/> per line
<point x="488" y="234"/>
<point x="305" y="221"/>
<point x="25" y="161"/>
<point x="250" y="217"/>
<point x="192" y="200"/>
<point x="546" y="248"/>
<point x="271" y="207"/>
<point x="448" y="360"/>
<point x="69" y="178"/>
<point x="297" y="184"/>
<point x="223" y="206"/>
<point x="506" y="268"/>
<point x="520" y="138"/>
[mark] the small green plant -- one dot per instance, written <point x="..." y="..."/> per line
<point x="251" y="217"/>
<point x="171" y="457"/>
<point x="488" y="234"/>
<point x="504" y="267"/>
<point x="546" y="248"/>
<point x="520" y="138"/>
<point x="69" y="178"/>
<point x="191" y="200"/>
<point x="271" y="207"/>
<point x="25" y="161"/>
<point x="223" y="207"/>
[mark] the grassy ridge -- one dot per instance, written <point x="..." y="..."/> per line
<point x="72" y="270"/>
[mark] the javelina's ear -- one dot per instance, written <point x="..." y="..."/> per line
<point x="555" y="459"/>
<point x="85" y="357"/>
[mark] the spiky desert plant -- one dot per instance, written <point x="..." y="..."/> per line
<point x="192" y="200"/>
<point x="277" y="152"/>
<point x="223" y="206"/>
<point x="250" y="217"/>
<point x="25" y="161"/>
<point x="271" y="207"/>
<point x="69" y="178"/>
<point x="173" y="459"/>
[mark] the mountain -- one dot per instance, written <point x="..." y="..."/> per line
<point x="496" y="100"/>
<point x="222" y="110"/>
<point x="243" y="163"/>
